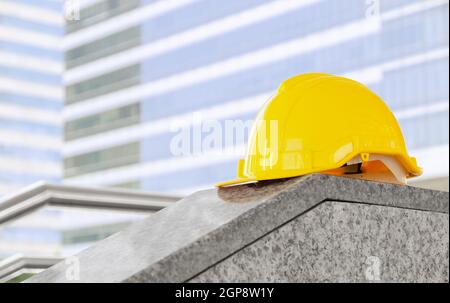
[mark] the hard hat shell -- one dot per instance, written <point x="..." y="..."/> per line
<point x="317" y="122"/>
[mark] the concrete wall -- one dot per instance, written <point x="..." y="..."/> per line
<point x="309" y="229"/>
<point x="344" y="242"/>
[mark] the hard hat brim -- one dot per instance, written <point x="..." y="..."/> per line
<point x="235" y="182"/>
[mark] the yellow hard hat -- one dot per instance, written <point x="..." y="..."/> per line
<point x="319" y="123"/>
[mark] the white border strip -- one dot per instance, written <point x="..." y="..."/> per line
<point x="213" y="71"/>
<point x="31" y="63"/>
<point x="29" y="140"/>
<point x="433" y="160"/>
<point x="31" y="89"/>
<point x="30" y="167"/>
<point x="372" y="74"/>
<point x="182" y="39"/>
<point x="31" y="13"/>
<point x="87" y="3"/>
<point x="122" y="21"/>
<point x="30" y="114"/>
<point x="412" y="9"/>
<point x="27" y="37"/>
<point x="422" y="110"/>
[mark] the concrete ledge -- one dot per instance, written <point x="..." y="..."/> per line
<point x="200" y="232"/>
<point x="40" y="194"/>
<point x="18" y="265"/>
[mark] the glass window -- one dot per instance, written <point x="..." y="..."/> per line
<point x="100" y="11"/>
<point x="107" y="83"/>
<point x="109" y="45"/>
<point x="109" y="120"/>
<point x="103" y="159"/>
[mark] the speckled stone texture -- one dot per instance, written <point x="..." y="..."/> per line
<point x="342" y="242"/>
<point x="189" y="239"/>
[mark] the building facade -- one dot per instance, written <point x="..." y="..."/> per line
<point x="31" y="94"/>
<point x="137" y="70"/>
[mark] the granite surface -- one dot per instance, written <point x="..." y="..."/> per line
<point x="344" y="242"/>
<point x="185" y="239"/>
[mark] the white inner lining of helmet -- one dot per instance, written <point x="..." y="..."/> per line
<point x="394" y="166"/>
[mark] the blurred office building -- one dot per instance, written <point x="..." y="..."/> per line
<point x="31" y="102"/>
<point x="31" y="124"/>
<point x="31" y="94"/>
<point x="144" y="83"/>
<point x="134" y="67"/>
